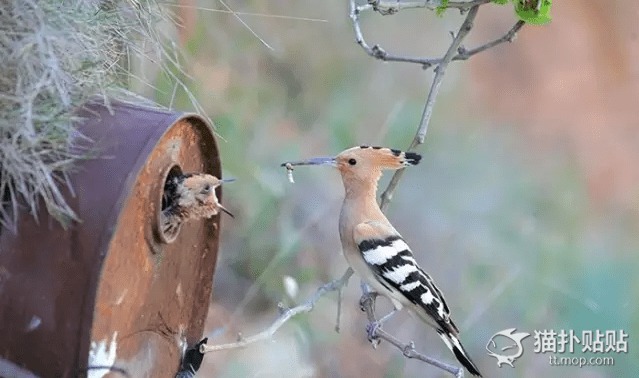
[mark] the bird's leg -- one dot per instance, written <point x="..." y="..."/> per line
<point x="367" y="304"/>
<point x="367" y="300"/>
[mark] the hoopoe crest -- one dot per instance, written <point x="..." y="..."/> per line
<point x="376" y="251"/>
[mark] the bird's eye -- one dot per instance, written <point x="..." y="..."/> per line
<point x="206" y="188"/>
<point x="352" y="161"/>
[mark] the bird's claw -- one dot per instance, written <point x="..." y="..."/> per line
<point x="371" y="330"/>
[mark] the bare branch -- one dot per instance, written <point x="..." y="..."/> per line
<point x="285" y="315"/>
<point x="465" y="28"/>
<point x="389" y="7"/>
<point x="340" y="297"/>
<point x="377" y="51"/>
<point x="440" y="70"/>
<point x="392" y="7"/>
<point x="464" y="54"/>
<point x="465" y="5"/>
<point x="367" y="303"/>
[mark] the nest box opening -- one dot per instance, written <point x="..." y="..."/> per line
<point x="168" y="231"/>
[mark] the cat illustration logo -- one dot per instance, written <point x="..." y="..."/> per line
<point x="511" y="340"/>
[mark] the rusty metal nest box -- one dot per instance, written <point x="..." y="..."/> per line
<point x="112" y="290"/>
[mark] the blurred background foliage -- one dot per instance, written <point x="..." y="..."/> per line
<point x="525" y="208"/>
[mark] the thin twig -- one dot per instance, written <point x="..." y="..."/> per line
<point x="440" y="70"/>
<point x="265" y="15"/>
<point x="393" y="6"/>
<point x="464" y="29"/>
<point x="377" y="51"/>
<point x="464" y="54"/>
<point x="285" y="315"/>
<point x="340" y="297"/>
<point x="235" y="14"/>
<point x="465" y="5"/>
<point x="367" y="303"/>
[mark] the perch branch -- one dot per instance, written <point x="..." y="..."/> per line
<point x="285" y="315"/>
<point x="440" y="70"/>
<point x="367" y="303"/>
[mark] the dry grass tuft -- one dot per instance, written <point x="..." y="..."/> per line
<point x="55" y="56"/>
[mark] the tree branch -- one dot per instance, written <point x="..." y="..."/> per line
<point x="389" y="7"/>
<point x="377" y="51"/>
<point x="464" y="54"/>
<point x="285" y="315"/>
<point x="465" y="5"/>
<point x="440" y="70"/>
<point x="367" y="303"/>
<point x="392" y="7"/>
<point x="455" y="52"/>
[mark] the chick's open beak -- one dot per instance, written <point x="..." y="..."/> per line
<point x="226" y="211"/>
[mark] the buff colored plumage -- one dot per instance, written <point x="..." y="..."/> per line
<point x="374" y="248"/>
<point x="190" y="196"/>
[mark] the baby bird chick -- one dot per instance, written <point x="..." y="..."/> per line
<point x="190" y="196"/>
<point x="374" y="248"/>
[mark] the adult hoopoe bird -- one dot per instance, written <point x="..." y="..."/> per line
<point x="376" y="251"/>
<point x="190" y="196"/>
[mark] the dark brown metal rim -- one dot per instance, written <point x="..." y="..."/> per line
<point x="167" y="237"/>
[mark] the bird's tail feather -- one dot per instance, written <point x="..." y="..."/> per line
<point x="458" y="350"/>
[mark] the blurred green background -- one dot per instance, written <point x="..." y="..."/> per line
<point x="525" y="208"/>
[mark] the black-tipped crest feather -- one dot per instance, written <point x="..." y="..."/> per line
<point x="412" y="158"/>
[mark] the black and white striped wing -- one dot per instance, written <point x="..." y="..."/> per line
<point x="394" y="266"/>
<point x="392" y="261"/>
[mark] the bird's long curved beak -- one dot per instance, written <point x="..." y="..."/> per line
<point x="224" y="181"/>
<point x="325" y="160"/>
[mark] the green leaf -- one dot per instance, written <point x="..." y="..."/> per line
<point x="535" y="12"/>
<point x="442" y="8"/>
<point x="500" y="2"/>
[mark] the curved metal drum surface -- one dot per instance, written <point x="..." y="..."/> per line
<point x="110" y="291"/>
